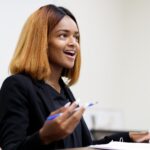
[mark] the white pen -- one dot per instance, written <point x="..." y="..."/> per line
<point x="90" y="104"/>
<point x="87" y="105"/>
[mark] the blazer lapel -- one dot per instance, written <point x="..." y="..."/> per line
<point x="43" y="96"/>
<point x="67" y="91"/>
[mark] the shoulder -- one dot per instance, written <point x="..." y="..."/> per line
<point x="17" y="81"/>
<point x="17" y="78"/>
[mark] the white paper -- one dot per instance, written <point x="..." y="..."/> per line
<point x="123" y="146"/>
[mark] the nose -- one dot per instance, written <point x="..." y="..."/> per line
<point x="72" y="41"/>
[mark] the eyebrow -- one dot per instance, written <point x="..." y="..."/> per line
<point x="65" y="30"/>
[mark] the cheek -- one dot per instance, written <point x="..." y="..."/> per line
<point x="55" y="52"/>
<point x="57" y="46"/>
<point x="78" y="49"/>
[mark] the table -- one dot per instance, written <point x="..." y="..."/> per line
<point x="83" y="148"/>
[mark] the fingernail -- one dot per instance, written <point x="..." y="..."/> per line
<point x="76" y="102"/>
<point x="67" y="104"/>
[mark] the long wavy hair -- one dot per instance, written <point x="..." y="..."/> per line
<point x="31" y="53"/>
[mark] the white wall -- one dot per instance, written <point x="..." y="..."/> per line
<point x="115" y="42"/>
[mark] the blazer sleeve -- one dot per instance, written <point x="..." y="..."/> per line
<point x="114" y="137"/>
<point x="14" y="120"/>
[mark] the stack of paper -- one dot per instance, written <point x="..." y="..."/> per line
<point x="123" y="146"/>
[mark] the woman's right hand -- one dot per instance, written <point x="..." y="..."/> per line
<point x="62" y="126"/>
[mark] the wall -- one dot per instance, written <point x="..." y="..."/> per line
<point x="115" y="47"/>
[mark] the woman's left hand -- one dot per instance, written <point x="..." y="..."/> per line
<point x="140" y="136"/>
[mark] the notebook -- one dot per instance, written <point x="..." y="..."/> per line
<point x="122" y="146"/>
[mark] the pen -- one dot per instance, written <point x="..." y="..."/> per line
<point x="53" y="116"/>
<point x="90" y="104"/>
<point x="59" y="114"/>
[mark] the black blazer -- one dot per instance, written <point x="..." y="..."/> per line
<point x="23" y="110"/>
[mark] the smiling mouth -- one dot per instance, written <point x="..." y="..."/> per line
<point x="70" y="53"/>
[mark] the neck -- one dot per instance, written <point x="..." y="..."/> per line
<point x="53" y="80"/>
<point x="53" y="84"/>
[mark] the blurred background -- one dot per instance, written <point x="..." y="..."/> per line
<point x="115" y="47"/>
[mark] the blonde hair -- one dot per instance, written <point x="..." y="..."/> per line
<point x="31" y="54"/>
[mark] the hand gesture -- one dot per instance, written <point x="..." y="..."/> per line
<point x="63" y="125"/>
<point x="140" y="136"/>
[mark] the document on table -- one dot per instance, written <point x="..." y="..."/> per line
<point x="122" y="146"/>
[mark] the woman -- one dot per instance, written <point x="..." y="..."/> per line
<point x="47" y="51"/>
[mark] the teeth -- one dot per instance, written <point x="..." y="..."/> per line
<point x="70" y="52"/>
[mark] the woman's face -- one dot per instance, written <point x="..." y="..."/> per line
<point x="64" y="44"/>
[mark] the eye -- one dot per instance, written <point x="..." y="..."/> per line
<point x="62" y="36"/>
<point x="76" y="37"/>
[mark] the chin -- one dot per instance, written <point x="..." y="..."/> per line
<point x="69" y="66"/>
